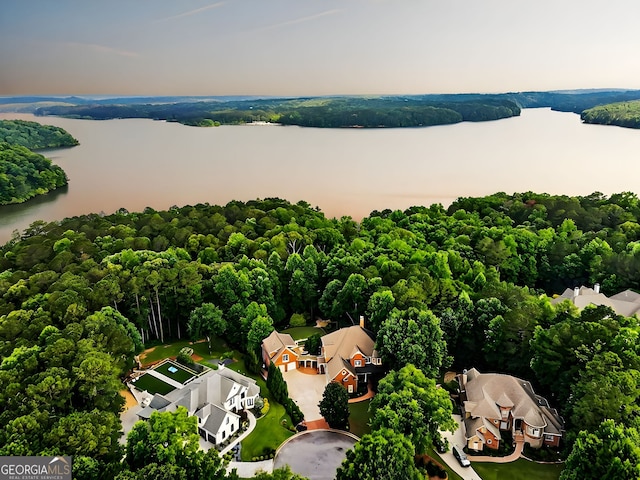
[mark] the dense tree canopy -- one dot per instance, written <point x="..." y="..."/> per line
<point x="471" y="284"/>
<point x="25" y="174"/>
<point x="380" y="455"/>
<point x="34" y="135"/>
<point x="411" y="404"/>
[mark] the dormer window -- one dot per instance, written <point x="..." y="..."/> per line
<point x="285" y="357"/>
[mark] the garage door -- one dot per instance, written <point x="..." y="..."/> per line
<point x="291" y="366"/>
<point x="283" y="368"/>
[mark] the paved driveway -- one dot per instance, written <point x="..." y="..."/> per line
<point x="468" y="473"/>
<point x="306" y="390"/>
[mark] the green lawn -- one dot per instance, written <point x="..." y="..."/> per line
<point x="152" y="385"/>
<point x="519" y="470"/>
<point x="359" y="418"/>
<point x="182" y="375"/>
<point x="451" y="475"/>
<point x="164" y="351"/>
<point x="218" y="347"/>
<point x="269" y="432"/>
<point x="298" y="333"/>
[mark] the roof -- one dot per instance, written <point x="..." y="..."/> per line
<point x="216" y="418"/>
<point x="204" y="395"/>
<point x="626" y="303"/>
<point x="276" y="342"/>
<point x="346" y="341"/>
<point x="486" y="391"/>
<point x="336" y="365"/>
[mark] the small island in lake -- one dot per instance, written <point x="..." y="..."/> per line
<point x="25" y="174"/>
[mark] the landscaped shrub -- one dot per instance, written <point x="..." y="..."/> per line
<point x="294" y="411"/>
<point x="265" y="408"/>
<point x="184" y="357"/>
<point x="297" y="320"/>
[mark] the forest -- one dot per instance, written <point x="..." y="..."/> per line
<point x="468" y="286"/>
<point x="327" y="112"/>
<point x="622" y="114"/>
<point x="24" y="173"/>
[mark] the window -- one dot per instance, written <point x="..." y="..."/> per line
<point x="227" y="422"/>
<point x="378" y="361"/>
<point x="549" y="438"/>
<point x="358" y="363"/>
<point x="344" y="372"/>
<point x="367" y="360"/>
<point x="350" y="388"/>
<point x="285" y="357"/>
<point x="489" y="441"/>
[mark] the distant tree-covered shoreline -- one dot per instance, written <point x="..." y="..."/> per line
<point x="334" y="112"/>
<point x="622" y="114"/>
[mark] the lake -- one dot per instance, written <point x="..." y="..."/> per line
<point x="137" y="163"/>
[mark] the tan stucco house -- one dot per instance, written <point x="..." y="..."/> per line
<point x="493" y="403"/>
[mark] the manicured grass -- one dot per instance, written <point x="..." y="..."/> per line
<point x="451" y="475"/>
<point x="298" y="333"/>
<point x="359" y="418"/>
<point x="152" y="385"/>
<point x="181" y="375"/>
<point x="519" y="470"/>
<point x="164" y="351"/>
<point x="269" y="432"/>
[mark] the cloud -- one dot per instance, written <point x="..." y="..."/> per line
<point x="102" y="49"/>
<point x="193" y="12"/>
<point x="299" y="20"/>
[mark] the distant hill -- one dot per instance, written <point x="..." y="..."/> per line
<point x="327" y="112"/>
<point x="622" y="114"/>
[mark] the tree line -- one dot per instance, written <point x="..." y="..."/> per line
<point x="464" y="287"/>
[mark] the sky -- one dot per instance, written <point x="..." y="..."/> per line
<point x="315" y="47"/>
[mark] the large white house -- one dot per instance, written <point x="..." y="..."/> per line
<point x="215" y="398"/>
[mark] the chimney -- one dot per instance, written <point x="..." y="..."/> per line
<point x="596" y="287"/>
<point x="361" y="321"/>
<point x="576" y="292"/>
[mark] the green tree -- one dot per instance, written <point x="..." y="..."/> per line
<point x="611" y="451"/>
<point x="313" y="344"/>
<point x="412" y="405"/>
<point x="412" y="336"/>
<point x="206" y="320"/>
<point x="166" y="438"/>
<point x="380" y="455"/>
<point x="334" y="406"/>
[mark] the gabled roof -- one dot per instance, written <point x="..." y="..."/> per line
<point x="216" y="418"/>
<point x="276" y="342"/>
<point x="485" y="391"/>
<point x="343" y="343"/>
<point x="336" y="365"/>
<point x="626" y="303"/>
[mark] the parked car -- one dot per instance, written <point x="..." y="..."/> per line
<point x="461" y="456"/>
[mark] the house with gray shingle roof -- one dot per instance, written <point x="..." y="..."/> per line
<point x="216" y="398"/>
<point x="625" y="303"/>
<point x="493" y="403"/>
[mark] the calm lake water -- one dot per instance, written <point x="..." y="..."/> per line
<point x="138" y="163"/>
